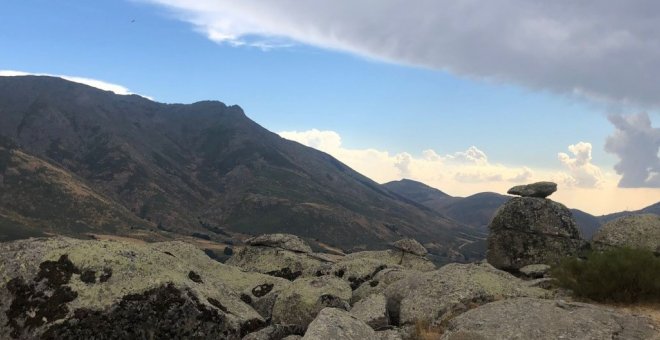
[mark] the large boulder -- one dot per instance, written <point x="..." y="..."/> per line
<point x="634" y="231"/>
<point x="538" y="189"/>
<point x="380" y="282"/>
<point x="282" y="241"/>
<point x="527" y="318"/>
<point x="276" y="261"/>
<point x="299" y="303"/>
<point x="529" y="230"/>
<point x="434" y="296"/>
<point x="67" y="288"/>
<point x="356" y="271"/>
<point x="395" y="257"/>
<point x="332" y="323"/>
<point x="372" y="311"/>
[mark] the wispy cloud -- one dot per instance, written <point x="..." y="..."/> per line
<point x="608" y="50"/>
<point x="99" y="84"/>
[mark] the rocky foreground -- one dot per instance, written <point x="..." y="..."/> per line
<point x="276" y="287"/>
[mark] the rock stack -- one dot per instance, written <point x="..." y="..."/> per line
<point x="532" y="229"/>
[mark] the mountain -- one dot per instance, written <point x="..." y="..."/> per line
<point x="478" y="210"/>
<point x="203" y="169"/>
<point x="651" y="209"/>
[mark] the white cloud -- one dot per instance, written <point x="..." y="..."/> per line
<point x="605" y="49"/>
<point x="581" y="172"/>
<point x="459" y="177"/>
<point x="637" y="144"/>
<point x="99" y="84"/>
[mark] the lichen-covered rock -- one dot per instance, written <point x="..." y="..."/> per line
<point x="282" y="241"/>
<point x="411" y="246"/>
<point x="535" y="271"/>
<point x="434" y="296"/>
<point x="538" y="189"/>
<point x="634" y="231"/>
<point x="394" y="257"/>
<point x="276" y="262"/>
<point x="299" y="303"/>
<point x="372" y="311"/>
<point x="527" y="318"/>
<point x="390" y="334"/>
<point x="356" y="271"/>
<point x="528" y="230"/>
<point x="380" y="282"/>
<point x="68" y="288"/>
<point x="332" y="323"/>
<point x="276" y="332"/>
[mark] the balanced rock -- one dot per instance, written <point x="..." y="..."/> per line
<point x="332" y="323"/>
<point x="299" y="303"/>
<point x="530" y="230"/>
<point x="409" y="245"/>
<point x="634" y="231"/>
<point x="283" y="241"/>
<point x="538" y="189"/>
<point x="528" y="318"/>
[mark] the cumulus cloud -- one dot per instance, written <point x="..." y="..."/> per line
<point x="636" y="143"/>
<point x="99" y="84"/>
<point x="581" y="172"/>
<point x="605" y="49"/>
<point x="469" y="166"/>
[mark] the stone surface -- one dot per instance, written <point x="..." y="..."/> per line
<point x="394" y="257"/>
<point x="538" y="189"/>
<point x="356" y="271"/>
<point x="527" y="318"/>
<point x="332" y="323"/>
<point x="411" y="246"/>
<point x="390" y="334"/>
<point x="276" y="332"/>
<point x="535" y="271"/>
<point x="434" y="296"/>
<point x="635" y="231"/>
<point x="69" y="288"/>
<point x="299" y="303"/>
<point x="381" y="281"/>
<point x="372" y="311"/>
<point x="283" y="241"/>
<point x="528" y="230"/>
<point x="276" y="262"/>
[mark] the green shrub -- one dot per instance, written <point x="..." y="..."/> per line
<point x="617" y="275"/>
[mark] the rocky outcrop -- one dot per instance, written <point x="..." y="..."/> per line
<point x="434" y="296"/>
<point x="409" y="245"/>
<point x="527" y="318"/>
<point x="282" y="241"/>
<point x="356" y="271"/>
<point x="530" y="230"/>
<point x="634" y="231"/>
<point x="535" y="271"/>
<point x="299" y="303"/>
<point x="395" y="257"/>
<point x="332" y="323"/>
<point x="273" y="255"/>
<point x="67" y="288"/>
<point x="372" y="311"/>
<point x="380" y="282"/>
<point x="538" y="189"/>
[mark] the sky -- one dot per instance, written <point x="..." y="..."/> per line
<point x="464" y="95"/>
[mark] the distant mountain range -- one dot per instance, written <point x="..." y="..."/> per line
<point x="477" y="210"/>
<point x="76" y="160"/>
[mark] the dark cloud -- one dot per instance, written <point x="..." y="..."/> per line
<point x="607" y="49"/>
<point x="636" y="143"/>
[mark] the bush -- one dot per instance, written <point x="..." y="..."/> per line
<point x="617" y="275"/>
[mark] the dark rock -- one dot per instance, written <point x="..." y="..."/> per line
<point x="411" y="246"/>
<point x="529" y="230"/>
<point x="88" y="276"/>
<point x="538" y="189"/>
<point x="195" y="277"/>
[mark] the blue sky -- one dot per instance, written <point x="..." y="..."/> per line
<point x="394" y="103"/>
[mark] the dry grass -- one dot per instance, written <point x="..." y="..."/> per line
<point x="424" y="331"/>
<point x="650" y="310"/>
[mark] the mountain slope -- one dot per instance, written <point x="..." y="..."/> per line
<point x="206" y="167"/>
<point x="37" y="197"/>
